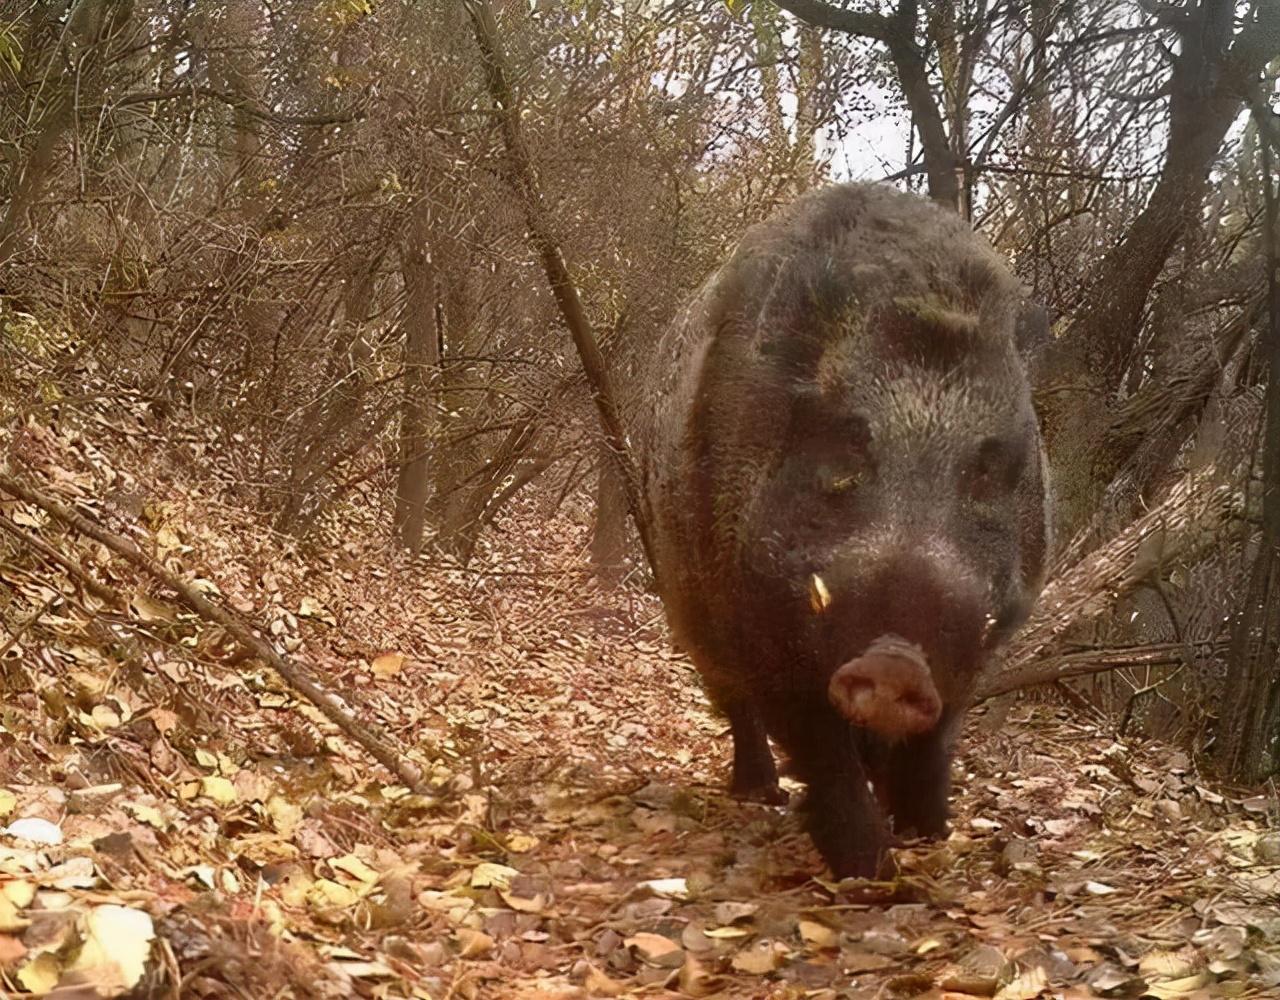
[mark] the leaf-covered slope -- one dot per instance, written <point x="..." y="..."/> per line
<point x="179" y="823"/>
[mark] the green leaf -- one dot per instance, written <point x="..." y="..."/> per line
<point x="10" y="51"/>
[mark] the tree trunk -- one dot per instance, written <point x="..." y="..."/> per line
<point x="609" y="540"/>
<point x="1080" y="373"/>
<point x="898" y="34"/>
<point x="525" y="182"/>
<point x="89" y="26"/>
<point x="1249" y="725"/>
<point x="417" y="407"/>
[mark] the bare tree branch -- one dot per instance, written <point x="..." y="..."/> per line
<point x="897" y="33"/>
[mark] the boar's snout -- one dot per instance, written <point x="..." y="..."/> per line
<point x="888" y="690"/>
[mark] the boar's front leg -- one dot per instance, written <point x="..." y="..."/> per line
<point x="913" y="779"/>
<point x="755" y="776"/>
<point x="840" y="811"/>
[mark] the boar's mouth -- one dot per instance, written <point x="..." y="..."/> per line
<point x="888" y="690"/>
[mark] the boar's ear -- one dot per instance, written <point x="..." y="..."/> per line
<point x="1031" y="329"/>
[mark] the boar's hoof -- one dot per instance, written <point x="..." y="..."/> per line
<point x="888" y="692"/>
<point x="853" y="843"/>
<point x="767" y="793"/>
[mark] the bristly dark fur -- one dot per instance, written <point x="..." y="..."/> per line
<point x="847" y="398"/>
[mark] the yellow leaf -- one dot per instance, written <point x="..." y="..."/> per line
<point x="40" y="976"/>
<point x="147" y="814"/>
<point x="487" y="873"/>
<point x="150" y="610"/>
<point x="295" y="888"/>
<point x="309" y="607"/>
<point x="205" y="759"/>
<point x="1166" y="965"/>
<point x="325" y="892"/>
<point x="285" y="815"/>
<point x="19" y="893"/>
<point x="8" y="802"/>
<point x="473" y="944"/>
<point x="10" y="919"/>
<point x="117" y="942"/>
<point x="105" y="717"/>
<point x="20" y="516"/>
<point x="520" y="843"/>
<point x="219" y="789"/>
<point x="724" y="933"/>
<point x="929" y="944"/>
<point x="167" y="538"/>
<point x="388" y="664"/>
<point x="356" y="868"/>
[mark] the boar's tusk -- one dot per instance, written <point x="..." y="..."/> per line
<point x="819" y="595"/>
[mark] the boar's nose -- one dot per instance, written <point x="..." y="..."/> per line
<point x="888" y="690"/>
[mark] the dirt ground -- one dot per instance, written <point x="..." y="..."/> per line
<point x="178" y="823"/>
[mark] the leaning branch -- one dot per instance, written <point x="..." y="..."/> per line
<point x="73" y="569"/>
<point x="363" y="733"/>
<point x="525" y="181"/>
<point x="851" y="22"/>
<point x="1188" y="519"/>
<point x="1096" y="661"/>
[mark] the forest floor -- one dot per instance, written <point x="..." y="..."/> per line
<point x="181" y="824"/>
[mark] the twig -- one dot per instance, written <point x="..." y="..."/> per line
<point x="99" y="590"/>
<point x="31" y="619"/>
<point x="363" y="733"/>
<point x="1137" y="693"/>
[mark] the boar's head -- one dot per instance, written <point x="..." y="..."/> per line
<point x="892" y="531"/>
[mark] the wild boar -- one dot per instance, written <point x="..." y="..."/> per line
<point x="846" y="484"/>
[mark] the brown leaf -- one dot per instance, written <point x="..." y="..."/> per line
<point x="11" y="950"/>
<point x="759" y="959"/>
<point x="597" y="984"/>
<point x="656" y="949"/>
<point x="473" y="943"/>
<point x="694" y="980"/>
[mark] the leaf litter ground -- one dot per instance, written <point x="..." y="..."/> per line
<point x="177" y="823"/>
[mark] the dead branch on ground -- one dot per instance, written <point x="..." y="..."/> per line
<point x="363" y="733"/>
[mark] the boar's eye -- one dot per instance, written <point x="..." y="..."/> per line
<point x="836" y="482"/>
<point x="841" y="477"/>
<point x="995" y="468"/>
